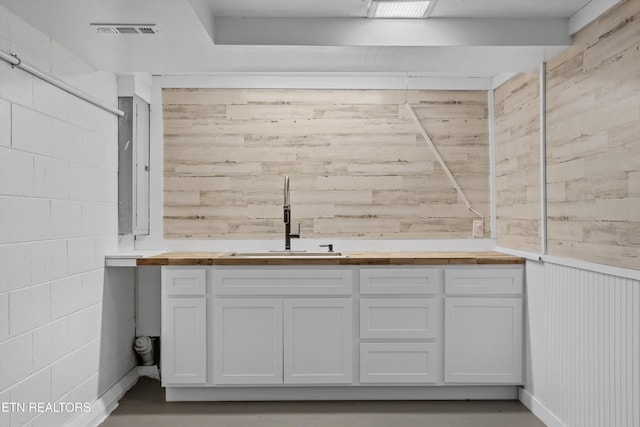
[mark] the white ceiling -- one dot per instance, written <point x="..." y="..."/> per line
<point x="464" y="37"/>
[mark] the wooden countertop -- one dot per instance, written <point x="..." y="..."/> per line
<point x="351" y="258"/>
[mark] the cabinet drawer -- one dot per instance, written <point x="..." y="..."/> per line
<point x="399" y="318"/>
<point x="483" y="281"/>
<point x="280" y="281"/>
<point x="399" y="280"/>
<point x="184" y="281"/>
<point x="398" y="363"/>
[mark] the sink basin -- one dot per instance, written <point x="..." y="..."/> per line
<point x="285" y="254"/>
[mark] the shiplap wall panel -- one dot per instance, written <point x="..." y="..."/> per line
<point x="358" y="165"/>
<point x="517" y="135"/>
<point x="583" y="345"/>
<point x="593" y="149"/>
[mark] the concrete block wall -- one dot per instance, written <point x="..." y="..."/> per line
<point x="66" y="323"/>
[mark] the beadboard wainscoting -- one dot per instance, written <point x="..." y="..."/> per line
<point x="583" y="347"/>
<point x="359" y="167"/>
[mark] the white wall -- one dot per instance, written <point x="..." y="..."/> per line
<point x="66" y="324"/>
<point x="583" y="347"/>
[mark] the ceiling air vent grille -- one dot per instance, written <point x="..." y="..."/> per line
<point x="116" y="29"/>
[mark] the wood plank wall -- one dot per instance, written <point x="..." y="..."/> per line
<point x="517" y="136"/>
<point x="593" y="144"/>
<point x="593" y="139"/>
<point x="358" y="165"/>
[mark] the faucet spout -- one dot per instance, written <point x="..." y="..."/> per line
<point x="287" y="197"/>
<point x="288" y="235"/>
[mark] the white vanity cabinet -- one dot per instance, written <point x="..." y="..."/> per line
<point x="184" y="326"/>
<point x="483" y="332"/>
<point x="281" y="338"/>
<point x="287" y="332"/>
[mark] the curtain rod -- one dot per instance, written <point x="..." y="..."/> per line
<point x="17" y="62"/>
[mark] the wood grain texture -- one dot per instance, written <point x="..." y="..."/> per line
<point x="358" y="165"/>
<point x="517" y="135"/>
<point x="593" y="142"/>
<point x="352" y="258"/>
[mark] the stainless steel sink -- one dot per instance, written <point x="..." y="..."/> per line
<point x="286" y="254"/>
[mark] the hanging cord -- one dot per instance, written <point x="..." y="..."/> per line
<point x="437" y="155"/>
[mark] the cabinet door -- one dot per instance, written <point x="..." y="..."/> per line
<point x="318" y="341"/>
<point x="483" y="340"/>
<point x="184" y="334"/>
<point x="247" y="341"/>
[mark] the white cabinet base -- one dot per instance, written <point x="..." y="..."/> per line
<point x="384" y="392"/>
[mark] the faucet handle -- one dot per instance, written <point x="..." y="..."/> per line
<point x="295" y="235"/>
<point x="330" y="246"/>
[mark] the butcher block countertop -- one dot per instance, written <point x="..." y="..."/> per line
<point x="349" y="258"/>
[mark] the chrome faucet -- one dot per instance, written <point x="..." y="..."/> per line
<point x="287" y="217"/>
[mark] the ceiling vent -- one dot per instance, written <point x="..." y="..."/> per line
<point x="126" y="28"/>
<point x="404" y="9"/>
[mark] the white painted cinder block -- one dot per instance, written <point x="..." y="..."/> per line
<point x="33" y="46"/>
<point x="4" y="317"/>
<point x="29" y="308"/>
<point x="15" y="266"/>
<point x="50" y="343"/>
<point x="5" y="416"/>
<point x="24" y="219"/>
<point x="72" y="370"/>
<point x="85" y="326"/>
<point x="66" y="296"/>
<point x="16" y="172"/>
<point x="66" y="219"/>
<point x="5" y="123"/>
<point x="81" y="254"/>
<point x="31" y="131"/>
<point x="36" y="388"/>
<point x="15" y="85"/>
<point x="49" y="260"/>
<point x="17" y="359"/>
<point x="93" y="150"/>
<point x="51" y="178"/>
<point x="97" y="216"/>
<point x="92" y="290"/>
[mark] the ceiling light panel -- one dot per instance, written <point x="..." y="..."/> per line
<point x="400" y="9"/>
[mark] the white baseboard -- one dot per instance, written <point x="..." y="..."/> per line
<point x="539" y="410"/>
<point x="107" y="403"/>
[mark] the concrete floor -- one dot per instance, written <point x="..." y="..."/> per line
<point x="144" y="405"/>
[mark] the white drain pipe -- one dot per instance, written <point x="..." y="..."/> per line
<point x="441" y="161"/>
<point x="16" y="62"/>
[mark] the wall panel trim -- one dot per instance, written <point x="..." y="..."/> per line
<point x="626" y="273"/>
